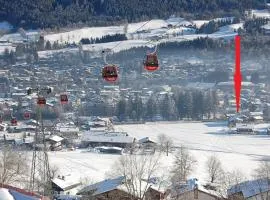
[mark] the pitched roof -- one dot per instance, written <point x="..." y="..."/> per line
<point x="250" y="188"/>
<point x="146" y="140"/>
<point x="107" y="137"/>
<point x="56" y="138"/>
<point x="13" y="193"/>
<point x="65" y="184"/>
<point x="103" y="186"/>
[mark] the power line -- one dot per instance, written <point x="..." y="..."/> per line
<point x="134" y="31"/>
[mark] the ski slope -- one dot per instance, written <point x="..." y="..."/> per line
<point x="241" y="152"/>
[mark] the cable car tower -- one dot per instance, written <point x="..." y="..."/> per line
<point x="40" y="180"/>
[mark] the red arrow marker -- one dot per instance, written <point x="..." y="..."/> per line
<point x="237" y="74"/>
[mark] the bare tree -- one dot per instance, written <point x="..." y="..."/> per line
<point x="54" y="170"/>
<point x="184" y="164"/>
<point x="214" y="168"/>
<point x="230" y="179"/>
<point x="263" y="171"/>
<point x="137" y="170"/>
<point x="165" y="143"/>
<point x="13" y="166"/>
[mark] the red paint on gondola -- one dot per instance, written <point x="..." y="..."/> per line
<point x="26" y="115"/>
<point x="63" y="99"/>
<point x="13" y="121"/>
<point x="110" y="73"/>
<point x="41" y="101"/>
<point x="151" y="62"/>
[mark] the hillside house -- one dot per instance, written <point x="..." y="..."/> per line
<point x="191" y="190"/>
<point x="147" y="145"/>
<point x="266" y="29"/>
<point x="55" y="143"/>
<point x="71" y="132"/>
<point x="65" y="185"/>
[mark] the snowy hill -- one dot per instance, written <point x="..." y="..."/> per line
<point x="5" y="26"/>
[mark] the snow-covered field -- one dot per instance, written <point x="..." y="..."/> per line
<point x="241" y="152"/>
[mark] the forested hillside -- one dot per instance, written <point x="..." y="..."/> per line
<point x="60" y="13"/>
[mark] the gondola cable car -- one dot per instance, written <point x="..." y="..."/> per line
<point x="26" y="115"/>
<point x="151" y="61"/>
<point x="13" y="121"/>
<point x="41" y="101"/>
<point x="63" y="99"/>
<point x="109" y="71"/>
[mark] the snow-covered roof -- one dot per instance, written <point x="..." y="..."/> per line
<point x="250" y="188"/>
<point x="112" y="138"/>
<point x="56" y="138"/>
<point x="201" y="85"/>
<point x="146" y="140"/>
<point x="69" y="129"/>
<point x="231" y="84"/>
<point x="66" y="184"/>
<point x="11" y="193"/>
<point x="104" y="186"/>
<point x="109" y="148"/>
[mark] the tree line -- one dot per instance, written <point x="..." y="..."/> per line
<point x="61" y="13"/>
<point x="104" y="39"/>
<point x="185" y="104"/>
<point x="214" y="25"/>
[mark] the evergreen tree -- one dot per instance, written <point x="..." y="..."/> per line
<point x="12" y="57"/>
<point x="138" y="107"/>
<point x="121" y="109"/>
<point x="151" y="108"/>
<point x="255" y="78"/>
<point x="188" y="104"/>
<point x="181" y="105"/>
<point x="197" y="112"/>
<point x="6" y="55"/>
<point x="48" y="45"/>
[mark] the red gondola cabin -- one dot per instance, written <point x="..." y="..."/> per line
<point x="63" y="99"/>
<point x="151" y="62"/>
<point x="41" y="101"/>
<point x="13" y="121"/>
<point x="26" y="115"/>
<point x="109" y="73"/>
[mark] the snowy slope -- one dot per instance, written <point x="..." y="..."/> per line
<point x="153" y="24"/>
<point x="78" y="34"/>
<point x="98" y="32"/>
<point x="199" y="23"/>
<point x="235" y="151"/>
<point x="5" y="26"/>
<point x="225" y="32"/>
